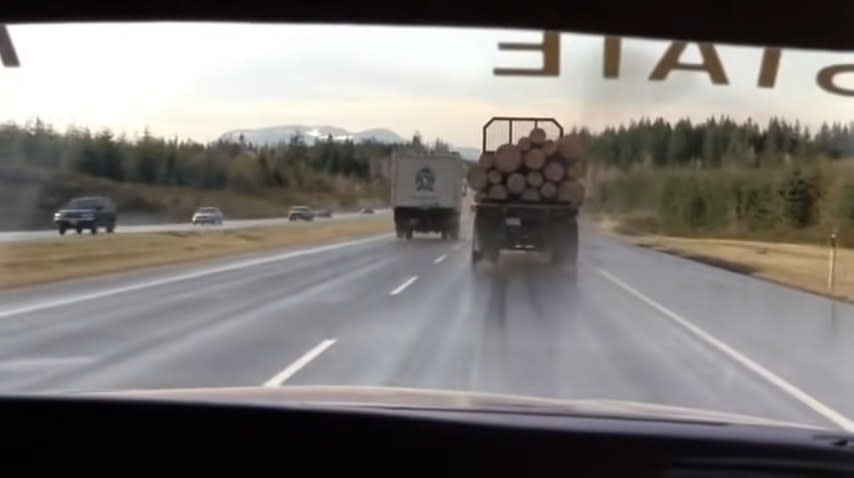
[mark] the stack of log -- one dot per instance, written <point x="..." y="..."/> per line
<point x="535" y="169"/>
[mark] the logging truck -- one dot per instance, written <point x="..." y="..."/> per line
<point x="426" y="193"/>
<point x="527" y="194"/>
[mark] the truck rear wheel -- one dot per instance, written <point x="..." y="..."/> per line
<point x="408" y="234"/>
<point x="555" y="255"/>
<point x="493" y="254"/>
<point x="455" y="232"/>
<point x="571" y="252"/>
<point x="476" y="253"/>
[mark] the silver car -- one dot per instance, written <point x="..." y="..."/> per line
<point x="207" y="215"/>
<point x="304" y="213"/>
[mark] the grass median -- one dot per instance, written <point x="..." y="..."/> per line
<point x="30" y="263"/>
<point x="801" y="266"/>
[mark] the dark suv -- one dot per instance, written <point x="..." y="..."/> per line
<point x="90" y="212"/>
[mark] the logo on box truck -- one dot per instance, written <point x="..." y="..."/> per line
<point x="424" y="180"/>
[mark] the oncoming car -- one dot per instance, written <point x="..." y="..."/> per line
<point x="207" y="215"/>
<point x="301" y="212"/>
<point x="90" y="212"/>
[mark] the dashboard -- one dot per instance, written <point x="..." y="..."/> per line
<point x="401" y="441"/>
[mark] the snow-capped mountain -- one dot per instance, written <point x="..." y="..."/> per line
<point x="282" y="134"/>
<point x="467" y="153"/>
<point x="273" y="135"/>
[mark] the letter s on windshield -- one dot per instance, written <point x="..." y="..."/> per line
<point x="8" y="56"/>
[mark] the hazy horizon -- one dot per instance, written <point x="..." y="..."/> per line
<point x="199" y="80"/>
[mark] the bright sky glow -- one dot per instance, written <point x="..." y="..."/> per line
<point x="200" y="80"/>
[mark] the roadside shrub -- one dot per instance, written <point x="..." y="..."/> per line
<point x="800" y="195"/>
<point x="801" y="202"/>
<point x="690" y="204"/>
<point x="755" y="203"/>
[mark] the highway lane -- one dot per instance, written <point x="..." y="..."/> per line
<point x="389" y="312"/>
<point x="19" y="236"/>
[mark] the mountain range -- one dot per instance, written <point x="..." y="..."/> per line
<point x="272" y="135"/>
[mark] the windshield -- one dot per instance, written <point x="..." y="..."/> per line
<point x="582" y="217"/>
<point x="81" y="203"/>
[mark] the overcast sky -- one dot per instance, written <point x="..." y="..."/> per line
<point x="199" y="80"/>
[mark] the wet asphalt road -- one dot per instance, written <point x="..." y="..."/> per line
<point x="636" y="325"/>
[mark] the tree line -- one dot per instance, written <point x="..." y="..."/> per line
<point x="298" y="163"/>
<point x="237" y="165"/>
<point x="715" y="142"/>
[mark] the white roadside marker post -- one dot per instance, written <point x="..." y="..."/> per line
<point x="831" y="267"/>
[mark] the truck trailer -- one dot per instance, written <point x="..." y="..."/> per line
<point x="426" y="194"/>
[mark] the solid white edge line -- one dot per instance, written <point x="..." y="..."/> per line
<point x="182" y="277"/>
<point x="820" y="408"/>
<point x="404" y="285"/>
<point x="299" y="363"/>
<point x="440" y="258"/>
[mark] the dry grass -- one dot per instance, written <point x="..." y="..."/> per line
<point x="801" y="266"/>
<point x="24" y="264"/>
